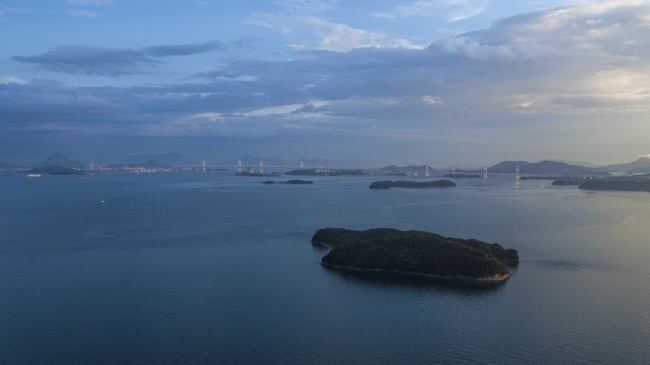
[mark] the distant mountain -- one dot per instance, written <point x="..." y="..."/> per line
<point x="7" y="165"/>
<point x="168" y="159"/>
<point x="580" y="163"/>
<point x="641" y="163"/>
<point x="544" y="168"/>
<point x="58" y="159"/>
<point x="639" y="170"/>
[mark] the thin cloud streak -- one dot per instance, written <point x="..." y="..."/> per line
<point x="113" y="62"/>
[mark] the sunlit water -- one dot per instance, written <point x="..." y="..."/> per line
<point x="209" y="268"/>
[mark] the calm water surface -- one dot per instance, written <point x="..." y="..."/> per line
<point x="209" y="268"/>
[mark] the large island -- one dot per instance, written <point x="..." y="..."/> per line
<point x="417" y="252"/>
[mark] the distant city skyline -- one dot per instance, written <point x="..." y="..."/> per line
<point x="442" y="81"/>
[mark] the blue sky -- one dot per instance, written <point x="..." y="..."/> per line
<point x="437" y="81"/>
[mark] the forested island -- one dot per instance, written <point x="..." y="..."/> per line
<point x="537" y="177"/>
<point x="616" y="185"/>
<point x="412" y="184"/>
<point x="415" y="252"/>
<point x="54" y="170"/>
<point x="463" y="176"/>
<point x="324" y="172"/>
<point x="291" y="182"/>
<point x="563" y="182"/>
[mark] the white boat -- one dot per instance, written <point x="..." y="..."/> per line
<point x="33" y="175"/>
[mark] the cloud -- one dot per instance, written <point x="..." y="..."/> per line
<point x="184" y="49"/>
<point x="4" y="11"/>
<point x="82" y="13"/>
<point x="531" y="70"/>
<point x="325" y="35"/>
<point x="92" y="60"/>
<point x="112" y="61"/>
<point x="431" y="99"/>
<point x="11" y="79"/>
<point x="452" y="10"/>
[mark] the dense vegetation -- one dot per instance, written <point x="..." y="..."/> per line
<point x="616" y="185"/>
<point x="412" y="184"/>
<point x="54" y="170"/>
<point x="566" y="182"/>
<point x="296" y="182"/>
<point x="415" y="251"/>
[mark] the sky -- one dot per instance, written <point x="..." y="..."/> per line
<point x="436" y="81"/>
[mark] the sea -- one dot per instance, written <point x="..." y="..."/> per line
<point x="211" y="268"/>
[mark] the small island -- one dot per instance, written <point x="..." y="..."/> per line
<point x="54" y="170"/>
<point x="563" y="182"/>
<point x="616" y="185"/>
<point x="291" y="182"/>
<point x="463" y="176"/>
<point x="418" y="252"/>
<point x="537" y="177"/>
<point x="378" y="185"/>
<point x="324" y="172"/>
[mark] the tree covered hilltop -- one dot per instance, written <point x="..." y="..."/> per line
<point x="412" y="184"/>
<point x="415" y="252"/>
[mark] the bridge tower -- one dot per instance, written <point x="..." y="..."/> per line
<point x="261" y="167"/>
<point x="426" y="171"/>
<point x="302" y="165"/>
<point x="517" y="173"/>
<point x="453" y="169"/>
<point x="204" y="167"/>
<point x="485" y="171"/>
<point x="239" y="166"/>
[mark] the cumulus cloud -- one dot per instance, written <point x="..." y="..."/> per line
<point x="112" y="61"/>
